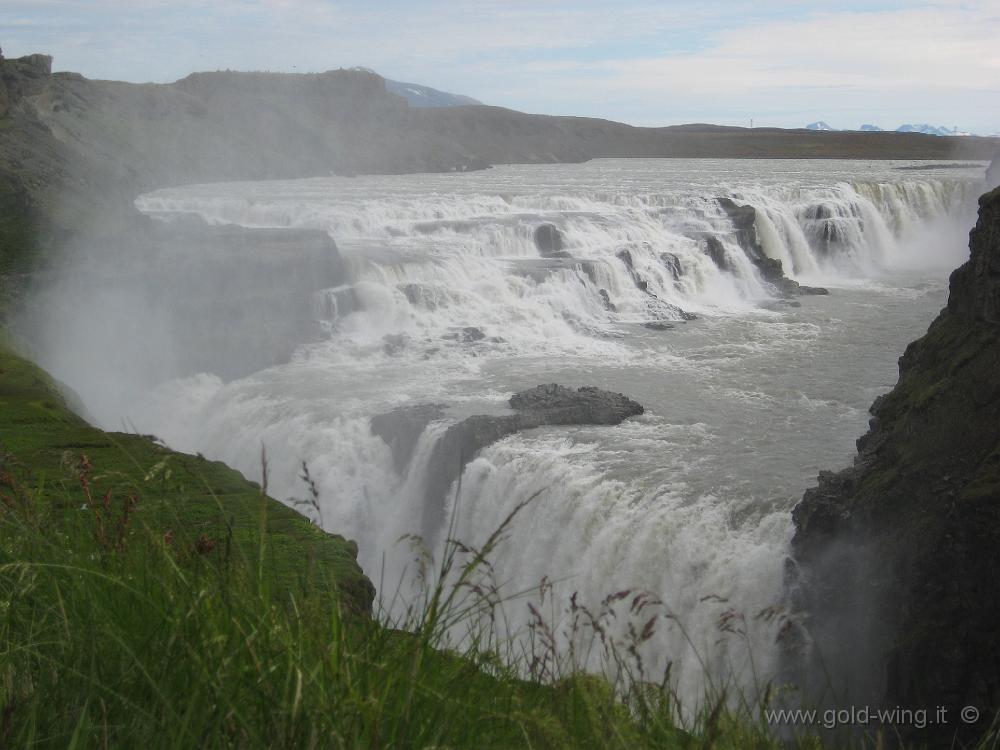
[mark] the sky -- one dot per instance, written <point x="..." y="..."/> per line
<point x="783" y="63"/>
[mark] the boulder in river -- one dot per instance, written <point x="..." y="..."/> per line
<point x="549" y="241"/>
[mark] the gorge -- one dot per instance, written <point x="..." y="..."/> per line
<point x="391" y="326"/>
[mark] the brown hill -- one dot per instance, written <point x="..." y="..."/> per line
<point x="70" y="146"/>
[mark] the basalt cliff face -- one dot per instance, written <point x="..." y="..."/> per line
<point x="898" y="557"/>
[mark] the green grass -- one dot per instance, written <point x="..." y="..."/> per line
<point x="132" y="640"/>
<point x="186" y="496"/>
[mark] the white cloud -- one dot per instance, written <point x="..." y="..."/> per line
<point x="637" y="60"/>
<point x="940" y="61"/>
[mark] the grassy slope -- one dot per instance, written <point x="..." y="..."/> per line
<point x="186" y="495"/>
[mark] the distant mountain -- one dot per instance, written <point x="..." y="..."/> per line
<point x="418" y="95"/>
<point x="907" y="128"/>
<point x="928" y="129"/>
<point x="425" y="96"/>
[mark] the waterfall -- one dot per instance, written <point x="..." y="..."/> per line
<point x="449" y="299"/>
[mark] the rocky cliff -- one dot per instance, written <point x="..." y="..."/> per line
<point x="898" y="556"/>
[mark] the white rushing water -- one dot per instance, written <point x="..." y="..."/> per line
<point x="744" y="405"/>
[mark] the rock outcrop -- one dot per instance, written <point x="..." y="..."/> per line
<point x="898" y="557"/>
<point x="20" y="77"/>
<point x="542" y="405"/>
<point x="657" y="306"/>
<point x="744" y="219"/>
<point x="549" y="241"/>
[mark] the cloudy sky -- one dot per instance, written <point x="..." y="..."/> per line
<point x="646" y="62"/>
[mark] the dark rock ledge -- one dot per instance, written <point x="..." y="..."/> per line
<point x="542" y="405"/>
<point x="744" y="219"/>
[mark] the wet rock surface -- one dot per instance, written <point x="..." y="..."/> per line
<point x="975" y="287"/>
<point x="656" y="305"/>
<point x="549" y="241"/>
<point x="744" y="220"/>
<point x="401" y="428"/>
<point x="556" y="404"/>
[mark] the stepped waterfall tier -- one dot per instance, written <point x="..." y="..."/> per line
<point x="728" y="323"/>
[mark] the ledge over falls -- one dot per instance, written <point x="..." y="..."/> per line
<point x="549" y="404"/>
<point x="898" y="557"/>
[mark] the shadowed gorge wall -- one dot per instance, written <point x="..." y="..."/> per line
<point x="900" y="553"/>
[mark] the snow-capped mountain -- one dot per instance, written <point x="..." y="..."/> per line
<point x="906" y="128"/>
<point x="419" y="95"/>
<point x="425" y="96"/>
<point x="929" y="129"/>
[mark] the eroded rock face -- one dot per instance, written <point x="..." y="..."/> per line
<point x="744" y="219"/>
<point x="656" y="305"/>
<point x="716" y="251"/>
<point x="898" y="556"/>
<point x="975" y="287"/>
<point x="401" y="428"/>
<point x="20" y="77"/>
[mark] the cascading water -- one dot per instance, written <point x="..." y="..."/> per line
<point x="451" y="302"/>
